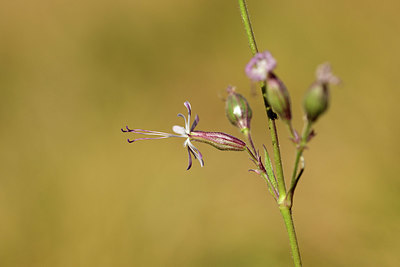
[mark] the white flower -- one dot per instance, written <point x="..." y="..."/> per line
<point x="180" y="132"/>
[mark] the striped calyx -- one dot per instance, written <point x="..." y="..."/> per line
<point x="238" y="110"/>
<point x="221" y="141"/>
<point x="278" y="97"/>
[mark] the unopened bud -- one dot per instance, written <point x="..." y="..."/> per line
<point x="238" y="110"/>
<point x="316" y="100"/>
<point x="221" y="141"/>
<point x="278" y="97"/>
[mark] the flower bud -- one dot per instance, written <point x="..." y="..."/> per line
<point x="238" y="110"/>
<point x="221" y="141"/>
<point x="316" y="100"/>
<point x="278" y="97"/>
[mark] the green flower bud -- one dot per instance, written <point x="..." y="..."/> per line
<point x="316" y="101"/>
<point x="238" y="110"/>
<point x="278" y="97"/>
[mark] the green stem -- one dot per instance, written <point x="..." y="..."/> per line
<point x="271" y="118"/>
<point x="287" y="217"/>
<point x="299" y="155"/>
<point x="278" y="161"/>
<point x="285" y="210"/>
<point x="247" y="26"/>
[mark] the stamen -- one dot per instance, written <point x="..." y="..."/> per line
<point x="160" y="135"/>
<point x="147" y="138"/>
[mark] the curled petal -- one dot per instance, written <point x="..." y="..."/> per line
<point x="189" y="108"/>
<point x="190" y="160"/>
<point x="195" y="122"/>
<point x="183" y="116"/>
<point x="196" y="153"/>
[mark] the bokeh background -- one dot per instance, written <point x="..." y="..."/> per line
<point x="73" y="192"/>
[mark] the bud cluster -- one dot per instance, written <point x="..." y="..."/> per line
<point x="261" y="69"/>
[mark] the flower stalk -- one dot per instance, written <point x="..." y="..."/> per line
<point x="285" y="210"/>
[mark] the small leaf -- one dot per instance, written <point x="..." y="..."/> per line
<point x="268" y="167"/>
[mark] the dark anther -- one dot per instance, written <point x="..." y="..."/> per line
<point x="130" y="141"/>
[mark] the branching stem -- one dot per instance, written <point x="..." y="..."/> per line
<point x="285" y="210"/>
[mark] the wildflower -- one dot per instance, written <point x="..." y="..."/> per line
<point x="259" y="66"/>
<point x="221" y="141"/>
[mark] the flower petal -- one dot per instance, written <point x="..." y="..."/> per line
<point x="196" y="153"/>
<point x="195" y="122"/>
<point x="179" y="130"/>
<point x="190" y="160"/>
<point x="260" y="65"/>
<point x="324" y="74"/>
<point x="189" y="108"/>
<point x="183" y="116"/>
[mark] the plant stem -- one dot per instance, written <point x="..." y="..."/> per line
<point x="271" y="116"/>
<point x="247" y="26"/>
<point x="287" y="217"/>
<point x="299" y="154"/>
<point x="285" y="210"/>
<point x="278" y="161"/>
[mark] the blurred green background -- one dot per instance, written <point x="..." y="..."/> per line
<point x="73" y="192"/>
